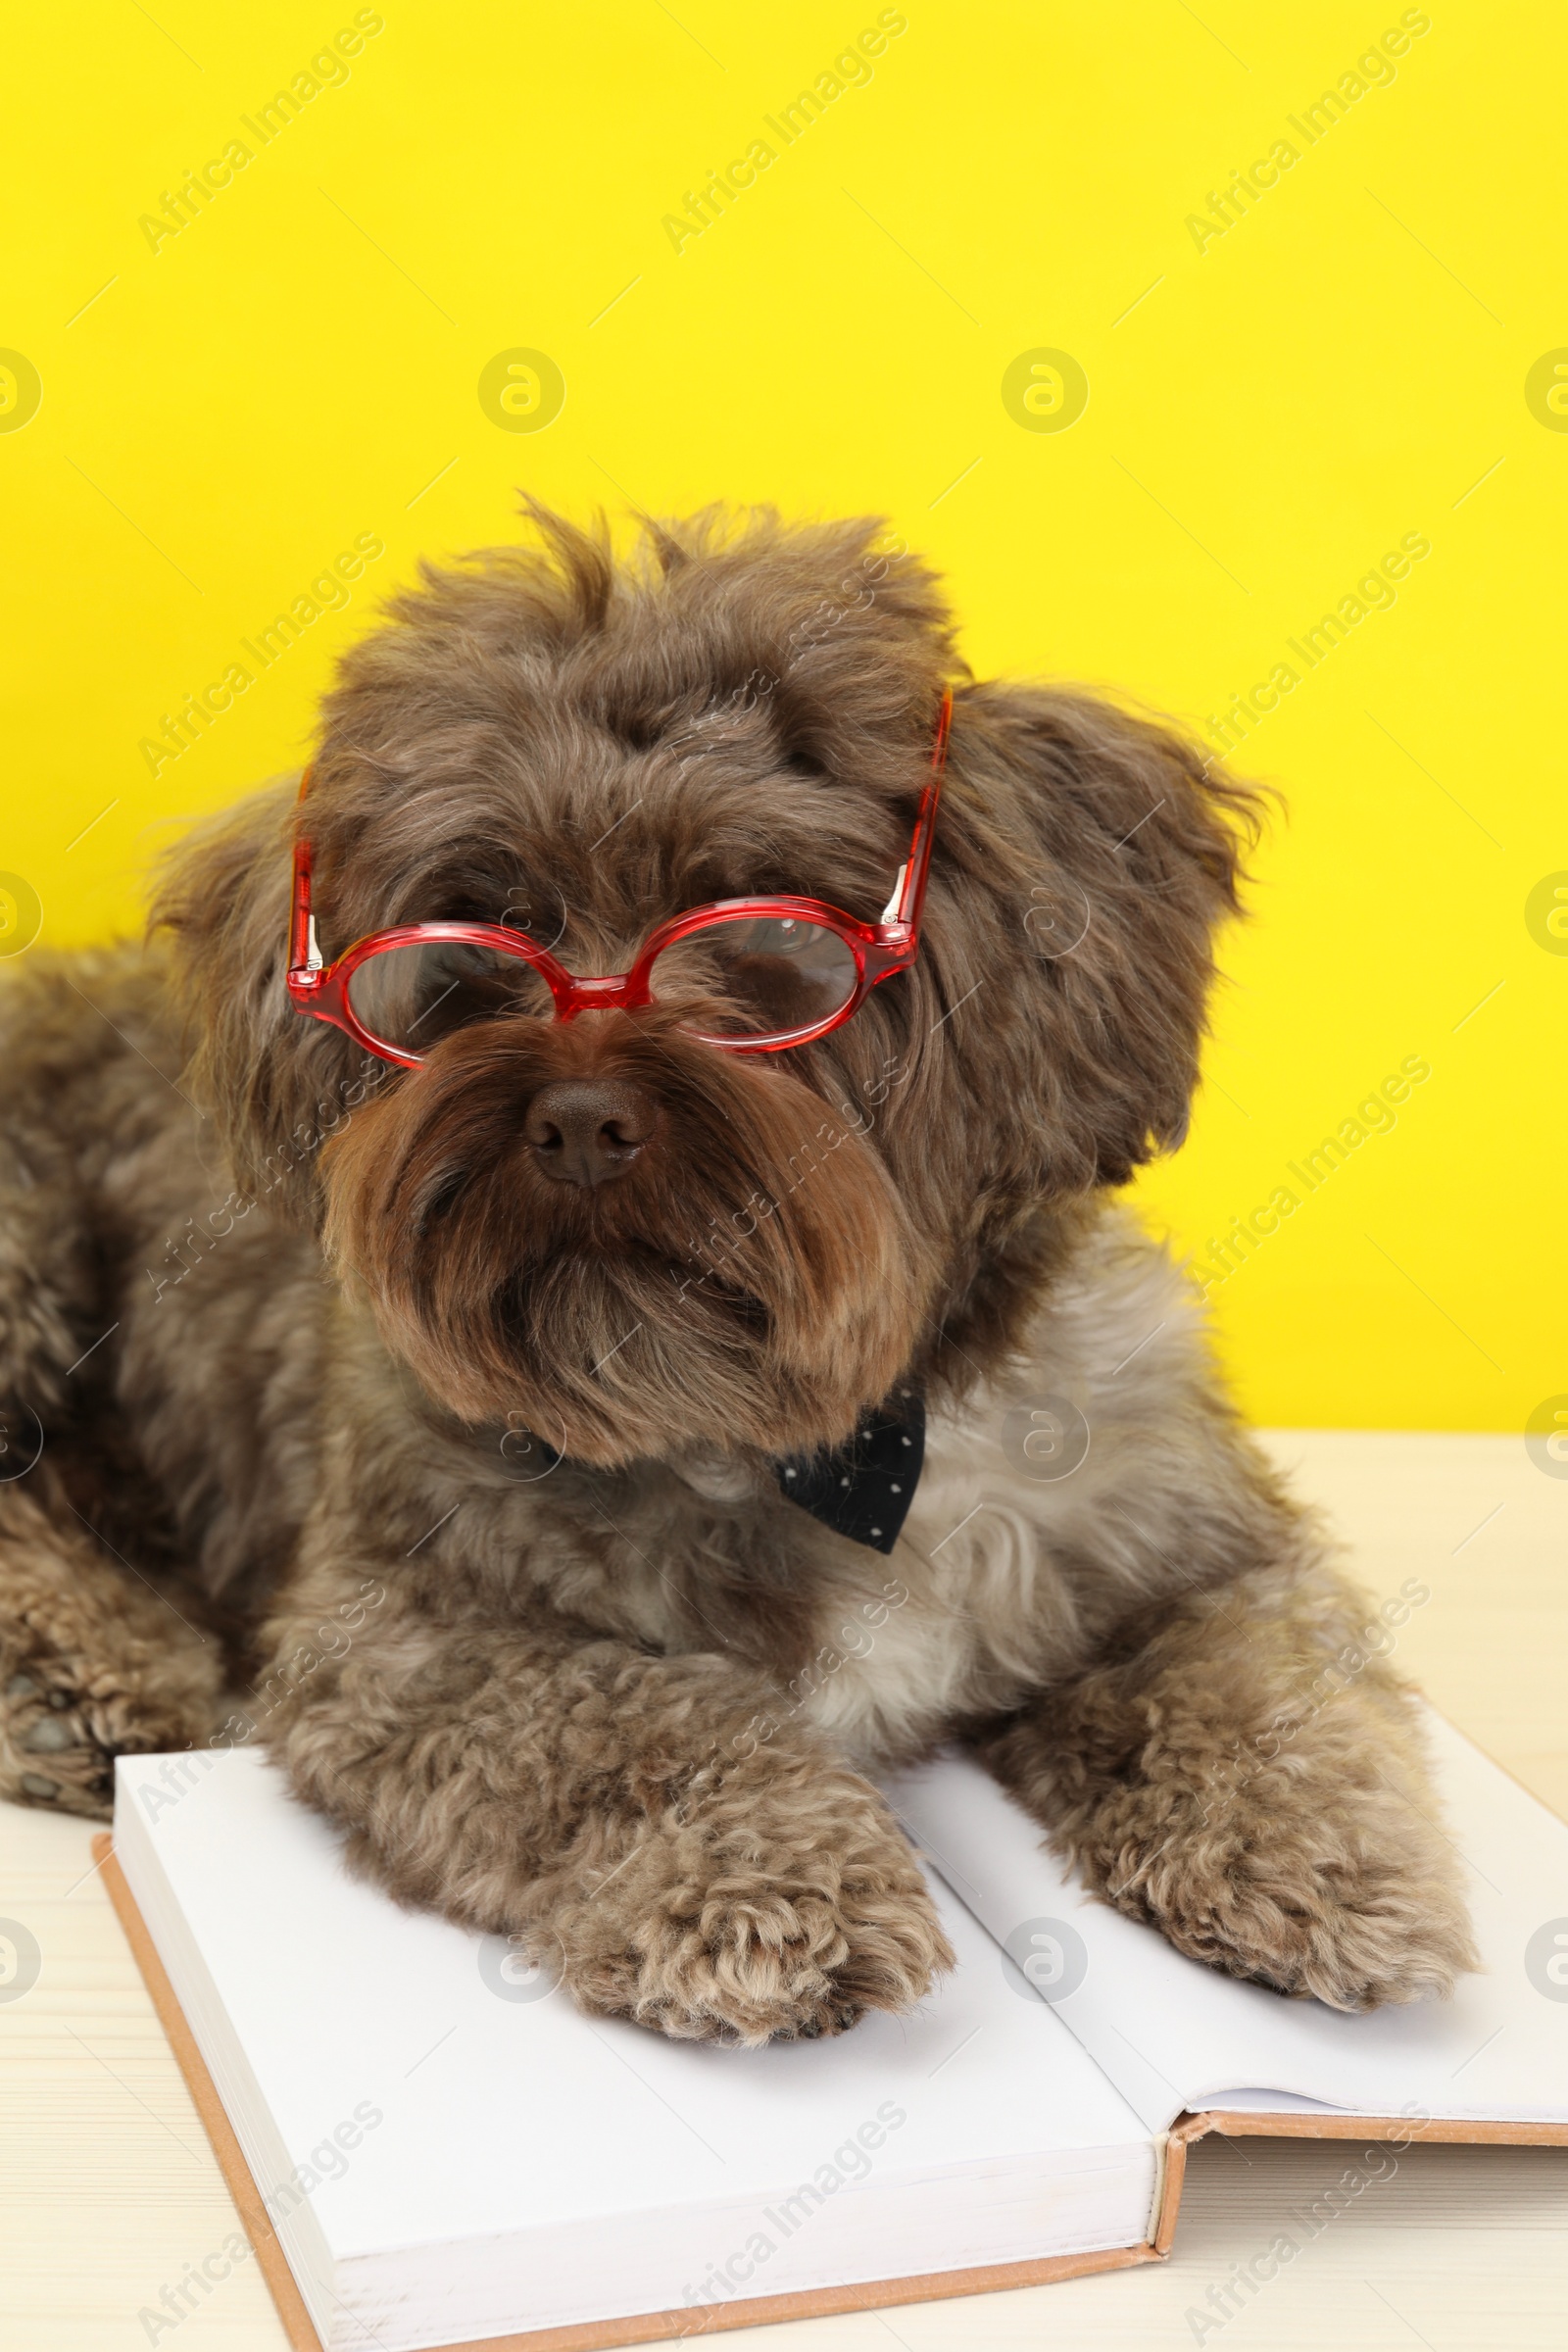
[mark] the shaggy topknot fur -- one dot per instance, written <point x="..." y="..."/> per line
<point x="291" y="1325"/>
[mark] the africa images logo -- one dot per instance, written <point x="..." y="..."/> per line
<point x="1050" y="1958"/>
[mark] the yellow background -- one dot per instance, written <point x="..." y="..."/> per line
<point x="1266" y="416"/>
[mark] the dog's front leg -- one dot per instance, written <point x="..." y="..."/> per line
<point x="629" y="1818"/>
<point x="1249" y="1780"/>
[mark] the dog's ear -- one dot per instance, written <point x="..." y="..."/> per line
<point x="1114" y="848"/>
<point x="275" y="1086"/>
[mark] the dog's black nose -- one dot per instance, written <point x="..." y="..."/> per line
<point x="585" y="1131"/>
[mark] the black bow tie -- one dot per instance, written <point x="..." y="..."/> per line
<point x="862" y="1490"/>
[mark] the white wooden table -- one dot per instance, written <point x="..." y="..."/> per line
<point x="108" y="2190"/>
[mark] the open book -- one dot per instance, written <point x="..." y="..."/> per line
<point x="430" y="2146"/>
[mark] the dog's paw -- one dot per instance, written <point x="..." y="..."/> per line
<point x="781" y="1912"/>
<point x="1354" y="1899"/>
<point x="1353" y="1936"/>
<point x="63" y="1719"/>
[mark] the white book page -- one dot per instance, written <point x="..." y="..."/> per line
<point x="1171" y="2032"/>
<point x="498" y="2114"/>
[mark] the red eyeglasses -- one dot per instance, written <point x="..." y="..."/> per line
<point x="759" y="975"/>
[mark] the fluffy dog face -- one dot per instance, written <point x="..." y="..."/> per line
<point x="579" y="750"/>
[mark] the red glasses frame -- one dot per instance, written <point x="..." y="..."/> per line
<point x="881" y="948"/>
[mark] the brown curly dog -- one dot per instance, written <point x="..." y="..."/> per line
<point x="582" y="1450"/>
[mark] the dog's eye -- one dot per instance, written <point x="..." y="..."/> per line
<point x="412" y="997"/>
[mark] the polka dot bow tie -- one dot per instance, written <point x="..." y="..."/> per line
<point x="864" y="1489"/>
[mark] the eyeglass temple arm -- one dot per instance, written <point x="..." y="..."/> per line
<point x="909" y="891"/>
<point x="304" y="956"/>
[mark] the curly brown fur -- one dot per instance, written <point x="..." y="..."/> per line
<point x="93" y="1663"/>
<point x="565" y="1787"/>
<point x="1203" y="1784"/>
<point x="283" y="1319"/>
